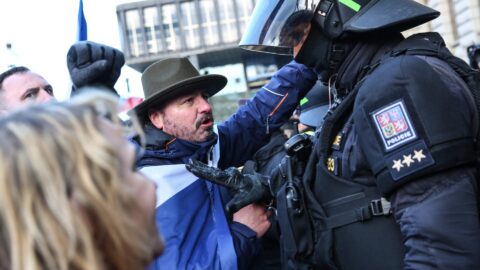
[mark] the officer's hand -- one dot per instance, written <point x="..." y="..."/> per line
<point x="246" y="188"/>
<point x="90" y="63"/>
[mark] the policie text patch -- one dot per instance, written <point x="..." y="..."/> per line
<point x="394" y="125"/>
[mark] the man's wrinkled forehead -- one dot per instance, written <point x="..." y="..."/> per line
<point x="193" y="93"/>
<point x="175" y="100"/>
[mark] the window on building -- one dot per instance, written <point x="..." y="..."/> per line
<point x="152" y="30"/>
<point x="190" y="24"/>
<point x="209" y="22"/>
<point x="134" y="32"/>
<point x="227" y="21"/>
<point x="244" y="9"/>
<point x="171" y="27"/>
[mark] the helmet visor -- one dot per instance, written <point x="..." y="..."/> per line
<point x="276" y="26"/>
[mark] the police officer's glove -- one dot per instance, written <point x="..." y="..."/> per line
<point x="93" y="64"/>
<point x="245" y="188"/>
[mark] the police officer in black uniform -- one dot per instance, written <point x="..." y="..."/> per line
<point x="392" y="179"/>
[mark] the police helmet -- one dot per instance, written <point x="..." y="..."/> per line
<point x="276" y="26"/>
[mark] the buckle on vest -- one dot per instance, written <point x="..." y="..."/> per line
<point x="380" y="207"/>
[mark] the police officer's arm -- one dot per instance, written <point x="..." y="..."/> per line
<point x="405" y="125"/>
<point x="415" y="127"/>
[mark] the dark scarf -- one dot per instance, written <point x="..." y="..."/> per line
<point x="365" y="53"/>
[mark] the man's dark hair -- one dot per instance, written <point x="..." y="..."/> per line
<point x="10" y="72"/>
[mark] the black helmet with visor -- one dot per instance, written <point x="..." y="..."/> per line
<point x="276" y="26"/>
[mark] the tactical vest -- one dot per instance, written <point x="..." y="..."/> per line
<point x="347" y="225"/>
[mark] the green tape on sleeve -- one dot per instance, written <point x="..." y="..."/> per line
<point x="351" y="4"/>
<point x="303" y="101"/>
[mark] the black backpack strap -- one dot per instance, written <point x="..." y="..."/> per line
<point x="376" y="208"/>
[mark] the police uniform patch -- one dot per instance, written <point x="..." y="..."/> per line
<point x="394" y="125"/>
<point x="409" y="160"/>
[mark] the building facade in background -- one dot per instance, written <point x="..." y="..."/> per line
<point x="208" y="32"/>
<point x="459" y="23"/>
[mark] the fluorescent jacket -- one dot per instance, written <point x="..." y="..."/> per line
<point x="190" y="212"/>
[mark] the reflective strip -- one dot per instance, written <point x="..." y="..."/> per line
<point x="303" y="101"/>
<point x="351" y="4"/>
<point x="270" y="91"/>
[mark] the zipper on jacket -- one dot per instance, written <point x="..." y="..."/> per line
<point x="168" y="143"/>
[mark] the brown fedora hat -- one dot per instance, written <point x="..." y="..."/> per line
<point x="167" y="79"/>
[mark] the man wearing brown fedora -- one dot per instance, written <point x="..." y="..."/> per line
<point x="178" y="125"/>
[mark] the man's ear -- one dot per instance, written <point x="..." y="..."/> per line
<point x="156" y="117"/>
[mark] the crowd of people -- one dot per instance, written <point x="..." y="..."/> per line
<point x="380" y="171"/>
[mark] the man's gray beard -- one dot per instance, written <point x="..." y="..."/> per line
<point x="184" y="134"/>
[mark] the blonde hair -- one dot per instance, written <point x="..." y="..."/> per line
<point x="63" y="204"/>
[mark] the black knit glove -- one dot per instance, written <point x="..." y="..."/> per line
<point x="94" y="64"/>
<point x="246" y="188"/>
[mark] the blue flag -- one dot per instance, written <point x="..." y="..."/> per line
<point x="82" y="24"/>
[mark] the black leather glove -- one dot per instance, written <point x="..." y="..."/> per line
<point x="94" y="64"/>
<point x="246" y="188"/>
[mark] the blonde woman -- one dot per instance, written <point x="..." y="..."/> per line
<point x="70" y="197"/>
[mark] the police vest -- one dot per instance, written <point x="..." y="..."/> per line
<point x="344" y="224"/>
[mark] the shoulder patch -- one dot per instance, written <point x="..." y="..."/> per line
<point x="408" y="161"/>
<point x="394" y="125"/>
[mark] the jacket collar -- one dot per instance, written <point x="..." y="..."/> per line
<point x="160" y="144"/>
<point x="156" y="139"/>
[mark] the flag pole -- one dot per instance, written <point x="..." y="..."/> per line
<point x="82" y="24"/>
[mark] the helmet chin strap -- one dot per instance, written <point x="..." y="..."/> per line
<point x="322" y="54"/>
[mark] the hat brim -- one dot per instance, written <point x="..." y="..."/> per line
<point x="314" y="116"/>
<point x="209" y="84"/>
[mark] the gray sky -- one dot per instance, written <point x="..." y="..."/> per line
<point x="41" y="31"/>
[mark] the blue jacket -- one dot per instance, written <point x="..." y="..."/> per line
<point x="190" y="212"/>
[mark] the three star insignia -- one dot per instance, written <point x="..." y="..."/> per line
<point x="408" y="160"/>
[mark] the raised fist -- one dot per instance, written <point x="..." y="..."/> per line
<point x="94" y="64"/>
